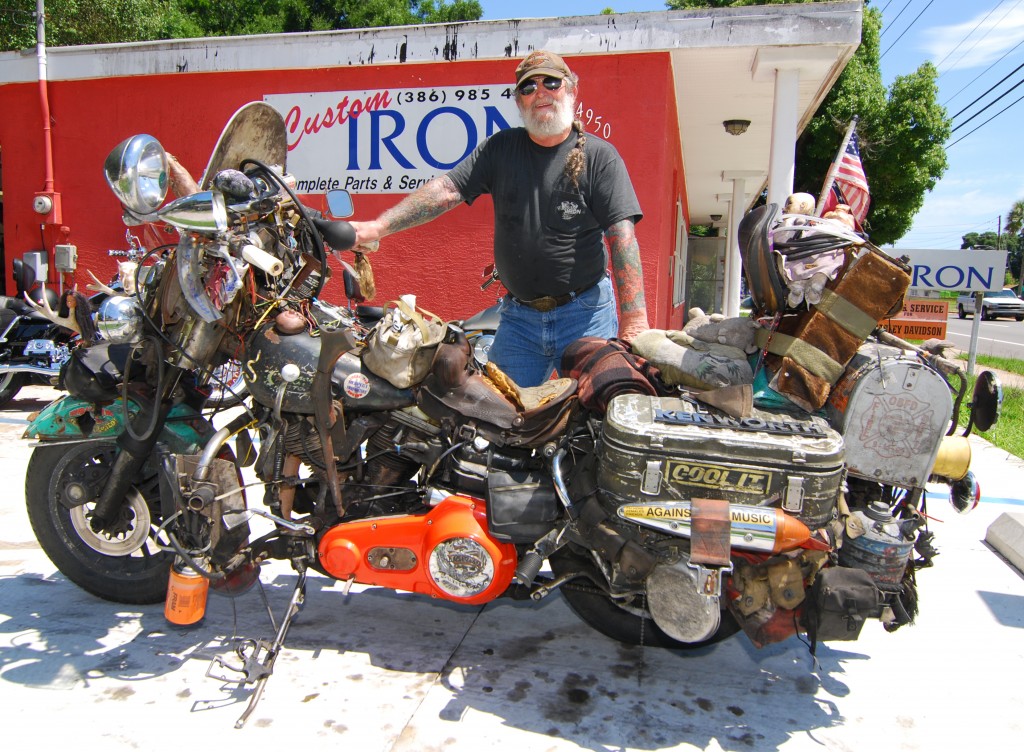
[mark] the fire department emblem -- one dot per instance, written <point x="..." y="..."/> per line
<point x="897" y="426"/>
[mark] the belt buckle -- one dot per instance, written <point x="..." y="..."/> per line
<point x="545" y="304"/>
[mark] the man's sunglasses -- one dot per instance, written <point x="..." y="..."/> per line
<point x="526" y="88"/>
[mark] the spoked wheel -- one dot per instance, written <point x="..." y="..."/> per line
<point x="122" y="564"/>
<point x="228" y="385"/>
<point x="10" y="385"/>
<point x="627" y="621"/>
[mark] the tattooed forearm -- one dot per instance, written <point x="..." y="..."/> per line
<point x="629" y="278"/>
<point x="427" y="203"/>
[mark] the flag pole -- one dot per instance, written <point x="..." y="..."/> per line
<point x="830" y="178"/>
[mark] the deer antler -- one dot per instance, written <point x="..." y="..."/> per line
<point x="99" y="286"/>
<point x="68" y="322"/>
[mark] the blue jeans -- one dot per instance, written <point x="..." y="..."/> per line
<point x="528" y="344"/>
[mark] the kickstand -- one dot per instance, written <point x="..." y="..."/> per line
<point x="255" y="668"/>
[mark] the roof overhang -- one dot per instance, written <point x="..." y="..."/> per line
<point x="724" y="63"/>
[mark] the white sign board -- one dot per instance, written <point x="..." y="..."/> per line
<point x="959" y="270"/>
<point x="388" y="140"/>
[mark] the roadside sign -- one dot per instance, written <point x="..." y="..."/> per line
<point x="921" y="318"/>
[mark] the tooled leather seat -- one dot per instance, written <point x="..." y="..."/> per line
<point x="496" y="407"/>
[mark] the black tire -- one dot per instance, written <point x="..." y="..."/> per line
<point x="228" y="387"/>
<point x="1019" y="317"/>
<point x="125" y="568"/>
<point x="985" y="315"/>
<point x="612" y="620"/>
<point x="10" y="385"/>
<point x="960" y="312"/>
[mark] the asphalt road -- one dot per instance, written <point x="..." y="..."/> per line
<point x="1002" y="338"/>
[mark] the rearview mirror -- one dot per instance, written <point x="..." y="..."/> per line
<point x="339" y="203"/>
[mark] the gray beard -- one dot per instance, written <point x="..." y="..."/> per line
<point x="552" y="126"/>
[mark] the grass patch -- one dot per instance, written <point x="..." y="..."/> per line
<point x="1002" y="364"/>
<point x="1008" y="432"/>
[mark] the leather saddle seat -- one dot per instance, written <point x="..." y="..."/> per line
<point x="493" y="405"/>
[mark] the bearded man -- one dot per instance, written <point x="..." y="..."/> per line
<point x="558" y="195"/>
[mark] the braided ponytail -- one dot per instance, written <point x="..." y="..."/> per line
<point x="576" y="160"/>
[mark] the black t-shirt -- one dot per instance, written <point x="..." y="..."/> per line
<point x="548" y="235"/>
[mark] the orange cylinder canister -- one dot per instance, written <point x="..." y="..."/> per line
<point x="186" y="595"/>
<point x="751" y="528"/>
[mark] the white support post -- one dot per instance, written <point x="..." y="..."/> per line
<point x="784" y="125"/>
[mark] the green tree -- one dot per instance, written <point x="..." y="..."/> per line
<point x="72" y="22"/>
<point x="902" y="130"/>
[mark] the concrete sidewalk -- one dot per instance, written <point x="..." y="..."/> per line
<point x="393" y="671"/>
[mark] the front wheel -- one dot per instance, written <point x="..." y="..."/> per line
<point x="960" y="312"/>
<point x="10" y="385"/>
<point x="228" y="385"/>
<point x="628" y="622"/>
<point x="123" y="564"/>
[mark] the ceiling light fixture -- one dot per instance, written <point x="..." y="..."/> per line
<point x="736" y="127"/>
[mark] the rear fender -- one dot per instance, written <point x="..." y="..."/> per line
<point x="72" y="419"/>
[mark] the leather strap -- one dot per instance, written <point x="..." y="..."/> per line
<point x="804" y="353"/>
<point x="846" y="314"/>
<point x="710" y="528"/>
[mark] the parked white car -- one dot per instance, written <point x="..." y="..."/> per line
<point x="1001" y="303"/>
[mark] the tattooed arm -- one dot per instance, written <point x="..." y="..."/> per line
<point x="629" y="279"/>
<point x="426" y="203"/>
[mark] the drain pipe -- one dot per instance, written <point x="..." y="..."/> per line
<point x="44" y="99"/>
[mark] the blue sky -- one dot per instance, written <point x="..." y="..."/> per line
<point x="973" y="44"/>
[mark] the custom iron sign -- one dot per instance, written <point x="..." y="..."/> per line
<point x="388" y="140"/>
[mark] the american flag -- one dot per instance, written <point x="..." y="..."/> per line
<point x="851" y="185"/>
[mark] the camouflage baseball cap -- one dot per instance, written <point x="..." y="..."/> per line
<point x="542" y="63"/>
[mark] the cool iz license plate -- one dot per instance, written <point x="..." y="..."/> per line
<point x="720" y="477"/>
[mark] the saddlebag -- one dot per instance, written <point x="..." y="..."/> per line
<point x="842" y="598"/>
<point x="94" y="373"/>
<point x="670" y="449"/>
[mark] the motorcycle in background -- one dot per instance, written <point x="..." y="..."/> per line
<point x="33" y="347"/>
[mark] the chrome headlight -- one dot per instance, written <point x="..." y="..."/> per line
<point x="136" y="171"/>
<point x="119" y="319"/>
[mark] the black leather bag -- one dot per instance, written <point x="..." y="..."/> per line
<point x="95" y="373"/>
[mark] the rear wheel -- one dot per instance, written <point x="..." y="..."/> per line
<point x="627" y="621"/>
<point x="123" y="564"/>
<point x="10" y="385"/>
<point x="960" y="312"/>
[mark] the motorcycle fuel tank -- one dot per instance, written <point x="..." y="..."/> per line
<point x="357" y="388"/>
<point x="893" y="412"/>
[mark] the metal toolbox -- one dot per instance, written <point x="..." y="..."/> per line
<point x="669" y="449"/>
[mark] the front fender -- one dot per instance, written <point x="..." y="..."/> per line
<point x="71" y="419"/>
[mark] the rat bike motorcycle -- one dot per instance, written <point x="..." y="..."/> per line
<point x="665" y="520"/>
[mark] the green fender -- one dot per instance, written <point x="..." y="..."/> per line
<point x="71" y="419"/>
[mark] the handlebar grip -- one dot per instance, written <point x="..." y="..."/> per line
<point x="339" y="235"/>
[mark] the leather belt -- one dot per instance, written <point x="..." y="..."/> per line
<point x="551" y="302"/>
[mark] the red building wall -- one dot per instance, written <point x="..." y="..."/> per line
<point x="629" y="97"/>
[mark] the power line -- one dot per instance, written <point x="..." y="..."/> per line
<point x="886" y="6"/>
<point x="987" y="121"/>
<point x="954" y="117"/>
<point x="990" y="104"/>
<point x="939" y="64"/>
<point x="990" y="28"/>
<point x="908" y="28"/>
<point x="984" y="72"/>
<point x="889" y="26"/>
